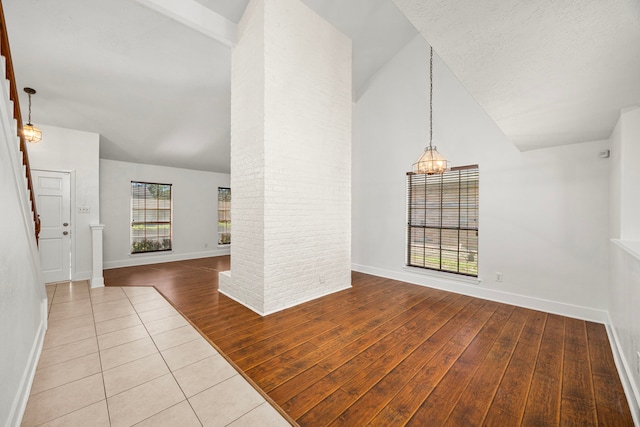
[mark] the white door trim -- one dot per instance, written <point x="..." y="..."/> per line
<point x="72" y="228"/>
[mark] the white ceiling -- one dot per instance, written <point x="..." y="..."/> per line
<point x="548" y="72"/>
<point x="156" y="90"/>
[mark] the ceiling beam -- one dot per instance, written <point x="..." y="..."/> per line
<point x="198" y="17"/>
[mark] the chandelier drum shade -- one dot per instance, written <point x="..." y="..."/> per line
<point x="431" y="162"/>
<point x="29" y="131"/>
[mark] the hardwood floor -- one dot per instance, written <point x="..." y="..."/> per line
<point x="387" y="353"/>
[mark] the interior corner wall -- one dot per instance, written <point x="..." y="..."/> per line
<point x="77" y="152"/>
<point x="615" y="182"/>
<point x="626" y="176"/>
<point x="624" y="286"/>
<point x="194" y="212"/>
<point x="290" y="157"/>
<point x="543" y="214"/>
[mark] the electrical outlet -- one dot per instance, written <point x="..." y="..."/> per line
<point x="638" y="362"/>
<point x="321" y="279"/>
<point x="498" y="277"/>
<point x="206" y="245"/>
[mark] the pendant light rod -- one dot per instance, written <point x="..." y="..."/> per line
<point x="430" y="98"/>
<point x="30" y="91"/>
<point x="431" y="162"/>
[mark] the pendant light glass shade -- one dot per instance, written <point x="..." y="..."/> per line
<point x="29" y="131"/>
<point x="431" y="162"/>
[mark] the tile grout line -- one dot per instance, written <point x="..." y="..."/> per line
<point x="240" y="372"/>
<point x="104" y="386"/>
<point x="246" y="413"/>
<point x="86" y="406"/>
<point x="165" y="362"/>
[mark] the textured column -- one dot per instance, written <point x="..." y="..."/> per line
<point x="290" y="158"/>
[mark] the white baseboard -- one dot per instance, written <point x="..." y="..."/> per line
<point x="624" y="372"/>
<point x="465" y="288"/>
<point x="97" y="282"/>
<point x="22" y="395"/>
<point x="293" y="304"/>
<point x="163" y="257"/>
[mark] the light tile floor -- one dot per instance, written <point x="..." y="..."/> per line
<point x="124" y="356"/>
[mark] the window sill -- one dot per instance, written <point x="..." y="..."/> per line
<point x="138" y="254"/>
<point x="443" y="275"/>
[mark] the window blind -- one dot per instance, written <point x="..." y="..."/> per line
<point x="224" y="216"/>
<point x="442" y="220"/>
<point x="150" y="217"/>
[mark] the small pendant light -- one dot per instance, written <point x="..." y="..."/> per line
<point x="30" y="132"/>
<point x="431" y="162"/>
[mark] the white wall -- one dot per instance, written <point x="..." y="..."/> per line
<point x="195" y="211"/>
<point x="543" y="213"/>
<point x="23" y="300"/>
<point x="625" y="176"/>
<point x="76" y="152"/>
<point x="615" y="180"/>
<point x="624" y="289"/>
<point x="290" y="157"/>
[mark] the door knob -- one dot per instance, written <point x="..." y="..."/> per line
<point x="65" y="232"/>
<point x="65" y="224"/>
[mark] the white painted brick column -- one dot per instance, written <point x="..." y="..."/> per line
<point x="290" y="158"/>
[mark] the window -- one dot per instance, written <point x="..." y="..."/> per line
<point x="224" y="216"/>
<point x="442" y="221"/>
<point x="150" y="217"/>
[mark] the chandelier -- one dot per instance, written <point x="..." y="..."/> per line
<point x="29" y="131"/>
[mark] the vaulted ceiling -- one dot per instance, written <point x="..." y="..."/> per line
<point x="548" y="72"/>
<point x="157" y="88"/>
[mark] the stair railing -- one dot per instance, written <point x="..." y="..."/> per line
<point x="5" y="51"/>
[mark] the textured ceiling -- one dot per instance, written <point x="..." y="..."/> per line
<point x="157" y="90"/>
<point x="548" y="72"/>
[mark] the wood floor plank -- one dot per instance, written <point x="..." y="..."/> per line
<point x="498" y="418"/>
<point x="611" y="403"/>
<point x="474" y="403"/>
<point x="387" y="353"/>
<point x="328" y="409"/>
<point x="345" y="353"/>
<point x="432" y="369"/>
<point x="388" y="417"/>
<point x="297" y="383"/>
<point x="543" y="401"/>
<point x="261" y="373"/>
<point x="512" y="392"/>
<point x="263" y="350"/>
<point x="374" y="385"/>
<point x="578" y="406"/>
<point x="315" y="393"/>
<point x="441" y="402"/>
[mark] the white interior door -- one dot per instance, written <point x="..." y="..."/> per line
<point x="53" y="200"/>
